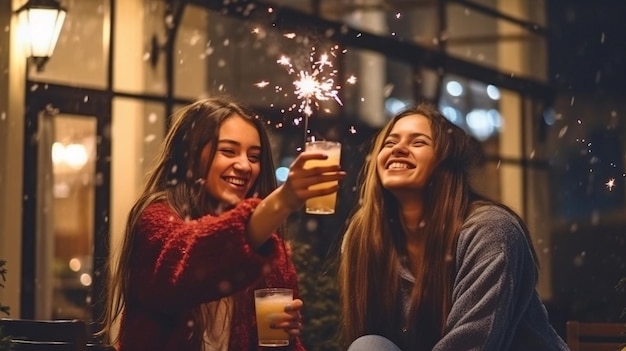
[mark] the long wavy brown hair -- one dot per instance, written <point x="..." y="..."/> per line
<point x="374" y="243"/>
<point x="177" y="178"/>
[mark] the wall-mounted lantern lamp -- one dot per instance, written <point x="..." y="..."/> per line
<point x="40" y="22"/>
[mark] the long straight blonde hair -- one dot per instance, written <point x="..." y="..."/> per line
<point x="374" y="243"/>
<point x="174" y="179"/>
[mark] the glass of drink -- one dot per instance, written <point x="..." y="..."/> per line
<point x="323" y="204"/>
<point x="266" y="302"/>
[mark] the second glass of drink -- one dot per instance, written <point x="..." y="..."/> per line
<point x="266" y="302"/>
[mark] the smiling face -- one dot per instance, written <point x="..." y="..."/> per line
<point x="407" y="158"/>
<point x="236" y="164"/>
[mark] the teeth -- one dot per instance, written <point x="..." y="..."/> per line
<point x="398" y="165"/>
<point x="236" y="181"/>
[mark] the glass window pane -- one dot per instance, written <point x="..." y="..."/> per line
<point x="427" y="82"/>
<point x="588" y="160"/>
<point x="382" y="87"/>
<point x="257" y="65"/>
<point x="523" y="10"/>
<point x="193" y="50"/>
<point x="495" y="43"/>
<point x="72" y="155"/>
<point x="228" y="54"/>
<point x="472" y="105"/>
<point x="140" y="65"/>
<point x="81" y="56"/>
<point x="419" y="24"/>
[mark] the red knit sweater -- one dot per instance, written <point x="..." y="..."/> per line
<point x="178" y="265"/>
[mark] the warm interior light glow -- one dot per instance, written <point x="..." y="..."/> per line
<point x="58" y="153"/>
<point x="75" y="264"/>
<point x="76" y="156"/>
<point x="73" y="155"/>
<point x="43" y="27"/>
<point x="85" y="279"/>
<point x="40" y="23"/>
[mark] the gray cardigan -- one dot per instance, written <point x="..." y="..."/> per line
<point x="495" y="306"/>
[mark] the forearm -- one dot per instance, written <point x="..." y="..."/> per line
<point x="287" y="198"/>
<point x="175" y="257"/>
<point x="267" y="217"/>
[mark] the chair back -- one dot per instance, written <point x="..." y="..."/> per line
<point x="584" y="336"/>
<point x="45" y="335"/>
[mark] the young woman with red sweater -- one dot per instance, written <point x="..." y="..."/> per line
<point x="204" y="235"/>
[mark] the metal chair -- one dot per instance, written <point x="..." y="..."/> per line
<point x="46" y="335"/>
<point x="582" y="336"/>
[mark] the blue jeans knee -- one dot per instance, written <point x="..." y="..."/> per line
<point x="373" y="343"/>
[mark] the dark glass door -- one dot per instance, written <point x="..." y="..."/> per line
<point x="66" y="202"/>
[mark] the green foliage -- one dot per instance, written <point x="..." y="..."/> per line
<point x="5" y="340"/>
<point x="318" y="290"/>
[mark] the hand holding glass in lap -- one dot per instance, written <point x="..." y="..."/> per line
<point x="277" y="315"/>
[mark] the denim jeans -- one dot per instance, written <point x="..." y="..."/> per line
<point x="373" y="343"/>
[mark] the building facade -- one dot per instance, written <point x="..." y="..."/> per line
<point x="77" y="138"/>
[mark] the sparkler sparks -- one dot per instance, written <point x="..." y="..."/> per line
<point x="313" y="85"/>
<point x="610" y="184"/>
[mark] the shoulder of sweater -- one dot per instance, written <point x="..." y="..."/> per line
<point x="491" y="224"/>
<point x="490" y="212"/>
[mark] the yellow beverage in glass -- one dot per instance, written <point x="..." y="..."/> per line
<point x="323" y="204"/>
<point x="266" y="302"/>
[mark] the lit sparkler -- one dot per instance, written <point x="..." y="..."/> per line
<point x="313" y="84"/>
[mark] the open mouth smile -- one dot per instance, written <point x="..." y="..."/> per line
<point x="236" y="181"/>
<point x="397" y="165"/>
